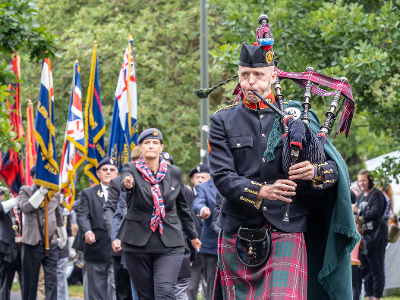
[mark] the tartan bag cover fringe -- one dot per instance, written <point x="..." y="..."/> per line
<point x="158" y="208"/>
<point x="284" y="276"/>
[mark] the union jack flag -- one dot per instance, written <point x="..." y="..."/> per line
<point x="123" y="134"/>
<point x="74" y="150"/>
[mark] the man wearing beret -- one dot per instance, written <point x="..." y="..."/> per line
<point x="198" y="175"/>
<point x="256" y="190"/>
<point x="97" y="249"/>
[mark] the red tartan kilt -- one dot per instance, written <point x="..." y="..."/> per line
<point x="284" y="276"/>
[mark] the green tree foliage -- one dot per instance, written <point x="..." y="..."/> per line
<point x="355" y="39"/>
<point x="166" y="51"/>
<point x="19" y="30"/>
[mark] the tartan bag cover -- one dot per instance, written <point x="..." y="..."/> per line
<point x="283" y="276"/>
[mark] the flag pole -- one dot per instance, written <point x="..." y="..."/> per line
<point x="46" y="207"/>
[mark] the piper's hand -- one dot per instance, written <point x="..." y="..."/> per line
<point x="90" y="238"/>
<point x="116" y="245"/>
<point x="196" y="244"/>
<point x="281" y="189"/>
<point x="206" y="213"/>
<point x="128" y="182"/>
<point x="301" y="171"/>
<point x="43" y="190"/>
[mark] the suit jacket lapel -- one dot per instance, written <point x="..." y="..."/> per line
<point x="166" y="185"/>
<point x="100" y="194"/>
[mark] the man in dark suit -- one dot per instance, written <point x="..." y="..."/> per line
<point x="123" y="287"/>
<point x="203" y="205"/>
<point x="10" y="245"/>
<point x="199" y="174"/>
<point x="33" y="235"/>
<point x="98" y="262"/>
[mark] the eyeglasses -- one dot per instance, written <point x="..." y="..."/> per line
<point x="112" y="170"/>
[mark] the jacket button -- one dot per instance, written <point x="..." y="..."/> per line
<point x="261" y="116"/>
<point x="263" y="135"/>
<point x="238" y="145"/>
<point x="263" y="159"/>
<point x="265" y="208"/>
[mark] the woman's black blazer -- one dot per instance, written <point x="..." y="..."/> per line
<point x="135" y="229"/>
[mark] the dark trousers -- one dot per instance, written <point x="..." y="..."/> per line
<point x="122" y="280"/>
<point x="193" y="289"/>
<point x="372" y="266"/>
<point x="356" y="281"/>
<point x="209" y="270"/>
<point x="32" y="257"/>
<point x="154" y="276"/>
<point x="7" y="272"/>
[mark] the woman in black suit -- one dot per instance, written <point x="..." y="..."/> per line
<point x="151" y="232"/>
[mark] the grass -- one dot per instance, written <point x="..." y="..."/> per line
<point x="74" y="291"/>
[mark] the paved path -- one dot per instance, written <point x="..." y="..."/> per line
<point x="17" y="296"/>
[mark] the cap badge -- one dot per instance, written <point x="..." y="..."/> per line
<point x="111" y="161"/>
<point x="155" y="133"/>
<point x="166" y="156"/>
<point x="198" y="169"/>
<point x="269" y="57"/>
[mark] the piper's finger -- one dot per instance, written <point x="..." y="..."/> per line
<point x="285" y="182"/>
<point x="300" y="165"/>
<point x="287" y="193"/>
<point x="300" y="170"/>
<point x="285" y="199"/>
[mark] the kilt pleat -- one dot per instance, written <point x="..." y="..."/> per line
<point x="283" y="276"/>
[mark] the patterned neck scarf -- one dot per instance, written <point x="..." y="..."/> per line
<point x="158" y="208"/>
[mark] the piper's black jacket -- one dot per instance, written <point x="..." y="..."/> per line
<point x="238" y="139"/>
<point x="135" y="229"/>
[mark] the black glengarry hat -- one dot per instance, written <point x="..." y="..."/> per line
<point x="253" y="56"/>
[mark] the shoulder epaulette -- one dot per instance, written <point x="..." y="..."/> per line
<point x="226" y="107"/>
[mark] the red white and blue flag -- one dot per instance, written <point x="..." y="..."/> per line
<point x="47" y="171"/>
<point x="74" y="150"/>
<point x="123" y="134"/>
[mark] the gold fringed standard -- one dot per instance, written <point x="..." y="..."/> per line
<point x="204" y="93"/>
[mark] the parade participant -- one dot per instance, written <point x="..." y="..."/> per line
<point x="256" y="189"/>
<point x="123" y="284"/>
<point x="10" y="245"/>
<point x="204" y="205"/>
<point x="97" y="249"/>
<point x="151" y="232"/>
<point x="198" y="174"/>
<point x="63" y="255"/>
<point x="30" y="199"/>
<point x="371" y="204"/>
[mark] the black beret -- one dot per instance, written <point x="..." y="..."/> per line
<point x="107" y="161"/>
<point x="200" y="168"/>
<point x="168" y="157"/>
<point x="151" y="133"/>
<point x="33" y="171"/>
<point x="255" y="56"/>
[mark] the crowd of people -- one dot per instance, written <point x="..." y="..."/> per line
<point x="138" y="233"/>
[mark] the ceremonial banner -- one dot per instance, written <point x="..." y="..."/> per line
<point x="30" y="152"/>
<point x="94" y="122"/>
<point x="74" y="150"/>
<point x="46" y="162"/>
<point x="11" y="165"/>
<point x="123" y="134"/>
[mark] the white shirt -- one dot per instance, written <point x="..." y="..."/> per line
<point x="105" y="191"/>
